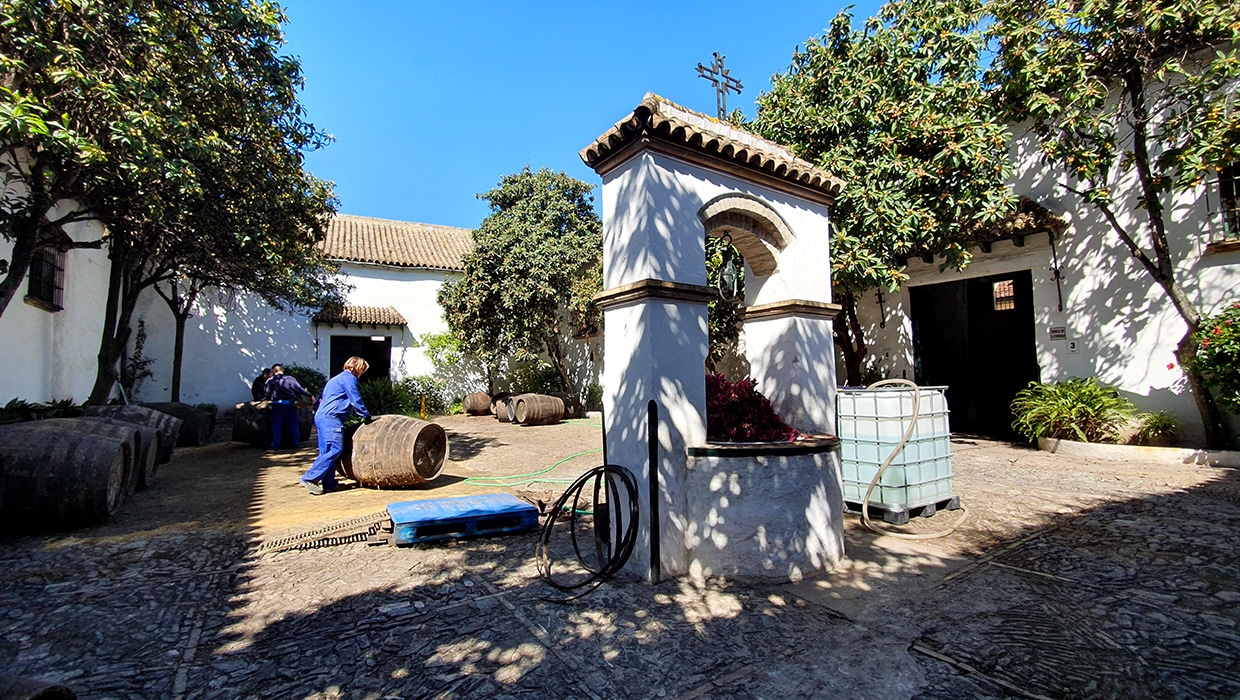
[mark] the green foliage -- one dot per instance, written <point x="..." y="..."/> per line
<point x="896" y="109"/>
<point x="723" y="316"/>
<point x="309" y="378"/>
<point x="1136" y="102"/>
<point x="872" y="372"/>
<point x="1218" y="355"/>
<point x="1159" y="428"/>
<point x="593" y="400"/>
<point x="137" y="367"/>
<point x="1077" y="409"/>
<point x="430" y="388"/>
<point x="207" y="408"/>
<point x="529" y="282"/>
<point x="535" y="378"/>
<point x="21" y="411"/>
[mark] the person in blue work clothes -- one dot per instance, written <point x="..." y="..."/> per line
<point x="340" y="398"/>
<point x="282" y="391"/>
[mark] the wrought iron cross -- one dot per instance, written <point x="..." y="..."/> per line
<point x="718" y="76"/>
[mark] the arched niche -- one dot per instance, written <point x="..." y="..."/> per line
<point x="757" y="231"/>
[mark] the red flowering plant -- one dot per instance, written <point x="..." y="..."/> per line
<point x="736" y="412"/>
<point x="1218" y="355"/>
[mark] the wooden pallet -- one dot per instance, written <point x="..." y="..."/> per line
<point x="901" y="515"/>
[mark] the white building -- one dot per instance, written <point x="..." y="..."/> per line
<point x="395" y="269"/>
<point x="1025" y="311"/>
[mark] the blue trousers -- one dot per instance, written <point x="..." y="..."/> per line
<point x="284" y="423"/>
<point x="331" y="445"/>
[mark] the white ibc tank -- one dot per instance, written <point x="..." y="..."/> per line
<point x="870" y="424"/>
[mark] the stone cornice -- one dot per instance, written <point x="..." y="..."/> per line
<point x="654" y="289"/>
<point x="791" y="307"/>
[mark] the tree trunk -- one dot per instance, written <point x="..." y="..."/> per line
<point x="25" y="242"/>
<point x="178" y="351"/>
<point x="1218" y="433"/>
<point x="849" y="340"/>
<point x="556" y="352"/>
<point x="120" y="305"/>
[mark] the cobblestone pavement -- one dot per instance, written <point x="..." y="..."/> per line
<point x="1071" y="578"/>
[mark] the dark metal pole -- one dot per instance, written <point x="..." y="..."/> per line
<point x="652" y="436"/>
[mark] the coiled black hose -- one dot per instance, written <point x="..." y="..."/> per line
<point x="612" y="555"/>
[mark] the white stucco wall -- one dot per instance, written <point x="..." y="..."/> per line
<point x="51" y="355"/>
<point x="227" y="344"/>
<point x="1124" y="327"/>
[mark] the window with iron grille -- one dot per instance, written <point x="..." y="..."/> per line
<point x="1229" y="201"/>
<point x="46" y="279"/>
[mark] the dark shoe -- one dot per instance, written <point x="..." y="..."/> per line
<point x="313" y="488"/>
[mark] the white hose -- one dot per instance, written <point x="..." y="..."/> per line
<point x="865" y="502"/>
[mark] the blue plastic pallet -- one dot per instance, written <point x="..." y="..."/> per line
<point x="465" y="516"/>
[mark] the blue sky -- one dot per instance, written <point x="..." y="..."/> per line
<point x="431" y="103"/>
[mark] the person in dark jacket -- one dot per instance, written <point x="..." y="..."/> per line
<point x="341" y="398"/>
<point x="258" y="389"/>
<point x="282" y="390"/>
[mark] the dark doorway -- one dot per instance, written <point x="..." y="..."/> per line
<point x="976" y="337"/>
<point x="376" y="352"/>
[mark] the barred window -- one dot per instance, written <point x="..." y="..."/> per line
<point x="46" y="279"/>
<point x="1229" y="200"/>
<point x="1005" y="295"/>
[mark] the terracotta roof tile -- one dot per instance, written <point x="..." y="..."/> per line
<point x="360" y="315"/>
<point x="397" y="243"/>
<point x="1027" y="218"/>
<point x="659" y="119"/>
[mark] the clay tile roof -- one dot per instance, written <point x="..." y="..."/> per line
<point x="360" y="316"/>
<point x="397" y="243"/>
<point x="661" y="120"/>
<point x="1028" y="218"/>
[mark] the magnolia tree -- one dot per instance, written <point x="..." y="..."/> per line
<point x="1130" y="89"/>
<point x="529" y="282"/>
<point x="896" y="109"/>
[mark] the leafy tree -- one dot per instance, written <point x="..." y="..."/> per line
<point x="1129" y="89"/>
<point x="897" y="110"/>
<point x="536" y="265"/>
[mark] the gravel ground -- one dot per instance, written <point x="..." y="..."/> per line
<point x="1069" y="578"/>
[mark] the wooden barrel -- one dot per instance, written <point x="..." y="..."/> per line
<point x="398" y="451"/>
<point x="503" y="409"/>
<point x="477" y="404"/>
<point x="252" y="423"/>
<point x="500" y="401"/>
<point x="197" y="425"/>
<point x="145" y="446"/>
<point x="169" y="426"/>
<point x="539" y="409"/>
<point x="573" y="408"/>
<point x="57" y="478"/>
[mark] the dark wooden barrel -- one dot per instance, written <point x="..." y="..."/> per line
<point x="145" y="446"/>
<point x="398" y="451"/>
<point x="500" y="401"/>
<point x="169" y="426"/>
<point x="57" y="478"/>
<point x="197" y="425"/>
<point x="252" y="423"/>
<point x="538" y="409"/>
<point x="573" y="408"/>
<point x="503" y="409"/>
<point x="477" y="404"/>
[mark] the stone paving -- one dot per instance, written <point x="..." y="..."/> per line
<point x="1071" y="578"/>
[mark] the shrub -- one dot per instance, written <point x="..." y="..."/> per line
<point x="736" y="412"/>
<point x="535" y="379"/>
<point x="1159" y="428"/>
<point x="21" y="411"/>
<point x="309" y="378"/>
<point x="382" y="397"/>
<point x="424" y="386"/>
<point x="1077" y="409"/>
<point x="594" y="397"/>
<point x="1218" y="355"/>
